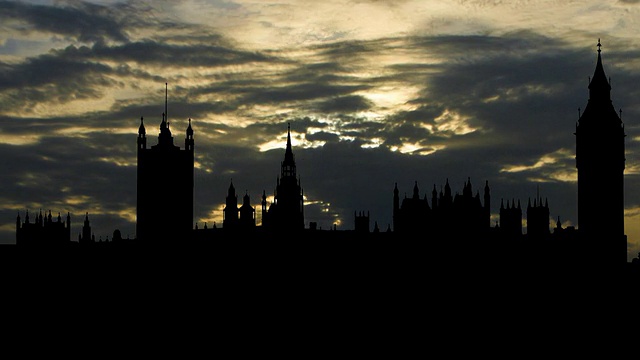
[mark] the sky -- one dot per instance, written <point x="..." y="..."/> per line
<point x="377" y="93"/>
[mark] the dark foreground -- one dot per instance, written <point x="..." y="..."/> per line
<point x="308" y="257"/>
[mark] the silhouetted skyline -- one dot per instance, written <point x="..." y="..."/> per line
<point x="417" y="97"/>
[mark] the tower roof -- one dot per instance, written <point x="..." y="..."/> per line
<point x="599" y="112"/>
<point x="599" y="86"/>
<point x="232" y="189"/>
<point x="141" y="129"/>
<point x="189" y="129"/>
<point x="165" y="138"/>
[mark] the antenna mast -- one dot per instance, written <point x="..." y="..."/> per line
<point x="166" y="115"/>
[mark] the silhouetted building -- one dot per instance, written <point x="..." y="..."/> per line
<point x="469" y="208"/>
<point x="461" y="215"/>
<point x="286" y="213"/>
<point x="410" y="216"/>
<point x="564" y="235"/>
<point x="362" y="223"/>
<point x="510" y="220"/>
<point x="87" y="236"/>
<point x="600" y="160"/>
<point x="164" y="186"/>
<point x="117" y="236"/>
<point x="44" y="231"/>
<point x="247" y="214"/>
<point x="230" y="217"/>
<point x="538" y="219"/>
<point x="236" y="218"/>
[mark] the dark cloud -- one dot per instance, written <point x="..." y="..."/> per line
<point x="323" y="136"/>
<point x="155" y="53"/>
<point x="354" y="50"/>
<point x="52" y="70"/>
<point x="50" y="78"/>
<point x="179" y="108"/>
<point x="324" y="72"/>
<point x="84" y="21"/>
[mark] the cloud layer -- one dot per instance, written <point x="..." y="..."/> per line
<point x="376" y="94"/>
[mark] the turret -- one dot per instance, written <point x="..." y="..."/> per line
<point x="188" y="141"/>
<point x="230" y="211"/>
<point x="142" y="136"/>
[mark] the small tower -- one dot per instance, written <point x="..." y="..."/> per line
<point x="286" y="213"/>
<point x="538" y="219"/>
<point x="247" y="219"/>
<point x="188" y="141"/>
<point x="230" y="212"/>
<point x="142" y="136"/>
<point x="361" y="222"/>
<point x="510" y="220"/>
<point x="87" y="237"/>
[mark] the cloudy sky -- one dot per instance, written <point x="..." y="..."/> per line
<point x="376" y="93"/>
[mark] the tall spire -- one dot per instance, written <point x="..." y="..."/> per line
<point x="289" y="153"/>
<point x="166" y="94"/>
<point x="599" y="86"/>
<point x="288" y="167"/>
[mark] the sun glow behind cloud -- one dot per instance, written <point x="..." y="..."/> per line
<point x="299" y="138"/>
<point x="23" y="139"/>
<point x="452" y="122"/>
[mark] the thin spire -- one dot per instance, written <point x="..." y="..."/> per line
<point x="599" y="85"/>
<point x="289" y="163"/>
<point x="166" y="92"/>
